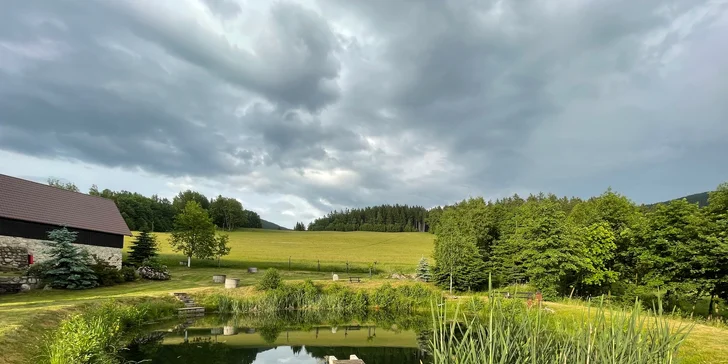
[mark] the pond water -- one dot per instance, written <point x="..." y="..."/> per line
<point x="290" y="339"/>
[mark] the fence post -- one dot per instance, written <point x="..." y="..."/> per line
<point x="289" y="262"/>
<point x="319" y="265"/>
<point x="347" y="267"/>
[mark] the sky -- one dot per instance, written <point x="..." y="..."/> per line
<point x="297" y="108"/>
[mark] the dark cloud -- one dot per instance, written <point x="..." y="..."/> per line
<point x="363" y="102"/>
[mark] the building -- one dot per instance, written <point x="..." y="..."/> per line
<point x="29" y="210"/>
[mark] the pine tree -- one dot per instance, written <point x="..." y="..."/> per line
<point x="70" y="265"/>
<point x="423" y="270"/>
<point x="143" y="248"/>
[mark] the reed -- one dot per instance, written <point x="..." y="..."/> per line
<point x="507" y="331"/>
<point x="308" y="296"/>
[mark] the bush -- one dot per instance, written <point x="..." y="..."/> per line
<point x="106" y="274"/>
<point x="152" y="269"/>
<point x="129" y="274"/>
<point x="271" y="280"/>
<point x="39" y="270"/>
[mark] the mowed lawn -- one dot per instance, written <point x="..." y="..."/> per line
<point x="273" y="248"/>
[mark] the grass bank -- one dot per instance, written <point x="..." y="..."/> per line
<point x="86" y="333"/>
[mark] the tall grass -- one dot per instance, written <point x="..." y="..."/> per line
<point x="506" y="331"/>
<point x="308" y="296"/>
<point x="95" y="334"/>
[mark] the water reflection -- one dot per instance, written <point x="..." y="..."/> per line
<point x="289" y="338"/>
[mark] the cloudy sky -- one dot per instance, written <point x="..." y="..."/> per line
<point x="300" y="107"/>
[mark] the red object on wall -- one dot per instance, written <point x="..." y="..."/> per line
<point x="30" y="258"/>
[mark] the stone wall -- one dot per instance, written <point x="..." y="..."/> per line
<point x="13" y="258"/>
<point x="17" y="284"/>
<point x="41" y="250"/>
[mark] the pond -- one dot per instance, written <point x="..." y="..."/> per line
<point x="295" y="339"/>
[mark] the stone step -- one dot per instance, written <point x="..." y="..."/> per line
<point x="190" y="310"/>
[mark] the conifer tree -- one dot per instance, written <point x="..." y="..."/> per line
<point x="143" y="248"/>
<point x="70" y="265"/>
<point x="423" y="270"/>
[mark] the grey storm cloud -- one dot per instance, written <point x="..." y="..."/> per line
<point x="363" y="102"/>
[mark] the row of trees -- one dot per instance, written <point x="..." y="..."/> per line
<point x="389" y="218"/>
<point x="605" y="244"/>
<point x="157" y="214"/>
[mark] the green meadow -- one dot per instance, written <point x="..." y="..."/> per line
<point x="306" y="250"/>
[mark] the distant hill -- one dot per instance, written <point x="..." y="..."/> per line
<point x="271" y="226"/>
<point x="700" y="198"/>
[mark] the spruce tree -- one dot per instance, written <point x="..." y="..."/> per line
<point x="423" y="270"/>
<point x="143" y="248"/>
<point x="70" y="265"/>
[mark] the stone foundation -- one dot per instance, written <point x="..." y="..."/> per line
<point x="13" y="258"/>
<point x="40" y="250"/>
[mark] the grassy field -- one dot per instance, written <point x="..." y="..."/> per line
<point x="272" y="248"/>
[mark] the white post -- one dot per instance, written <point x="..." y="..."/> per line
<point x="189" y="261"/>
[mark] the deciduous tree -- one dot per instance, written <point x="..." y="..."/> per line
<point x="194" y="233"/>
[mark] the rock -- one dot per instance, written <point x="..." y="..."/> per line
<point x="398" y="276"/>
<point x="24" y="287"/>
<point x="47" y="287"/>
<point x="336" y="277"/>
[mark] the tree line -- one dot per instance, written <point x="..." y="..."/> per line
<point x="603" y="245"/>
<point x="156" y="213"/>
<point x="383" y="218"/>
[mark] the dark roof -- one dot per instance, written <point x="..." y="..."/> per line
<point x="31" y="201"/>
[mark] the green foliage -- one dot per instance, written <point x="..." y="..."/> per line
<point x="129" y="274"/>
<point x="142" y="248"/>
<point x="299" y="227"/>
<point x="308" y="297"/>
<point x="106" y="274"/>
<point x="384" y="218"/>
<point x="185" y="197"/>
<point x="227" y="213"/>
<point x="55" y="182"/>
<point x="40" y="269"/>
<point x="94" y="335"/>
<point x="194" y="233"/>
<point x="221" y="247"/>
<point x="271" y="280"/>
<point x="70" y="265"/>
<point x="457" y="258"/>
<point x="423" y="270"/>
<point x="509" y="332"/>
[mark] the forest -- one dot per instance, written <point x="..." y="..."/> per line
<point x="157" y="214"/>
<point x="383" y="218"/>
<point x="571" y="247"/>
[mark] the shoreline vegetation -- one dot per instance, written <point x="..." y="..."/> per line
<point x="479" y="329"/>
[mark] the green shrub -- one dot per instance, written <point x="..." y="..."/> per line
<point x="94" y="335"/>
<point x="271" y="280"/>
<point x="129" y="273"/>
<point x="106" y="274"/>
<point x="39" y="270"/>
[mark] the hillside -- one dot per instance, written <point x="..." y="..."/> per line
<point x="271" y="226"/>
<point x="306" y="249"/>
<point x="700" y="198"/>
